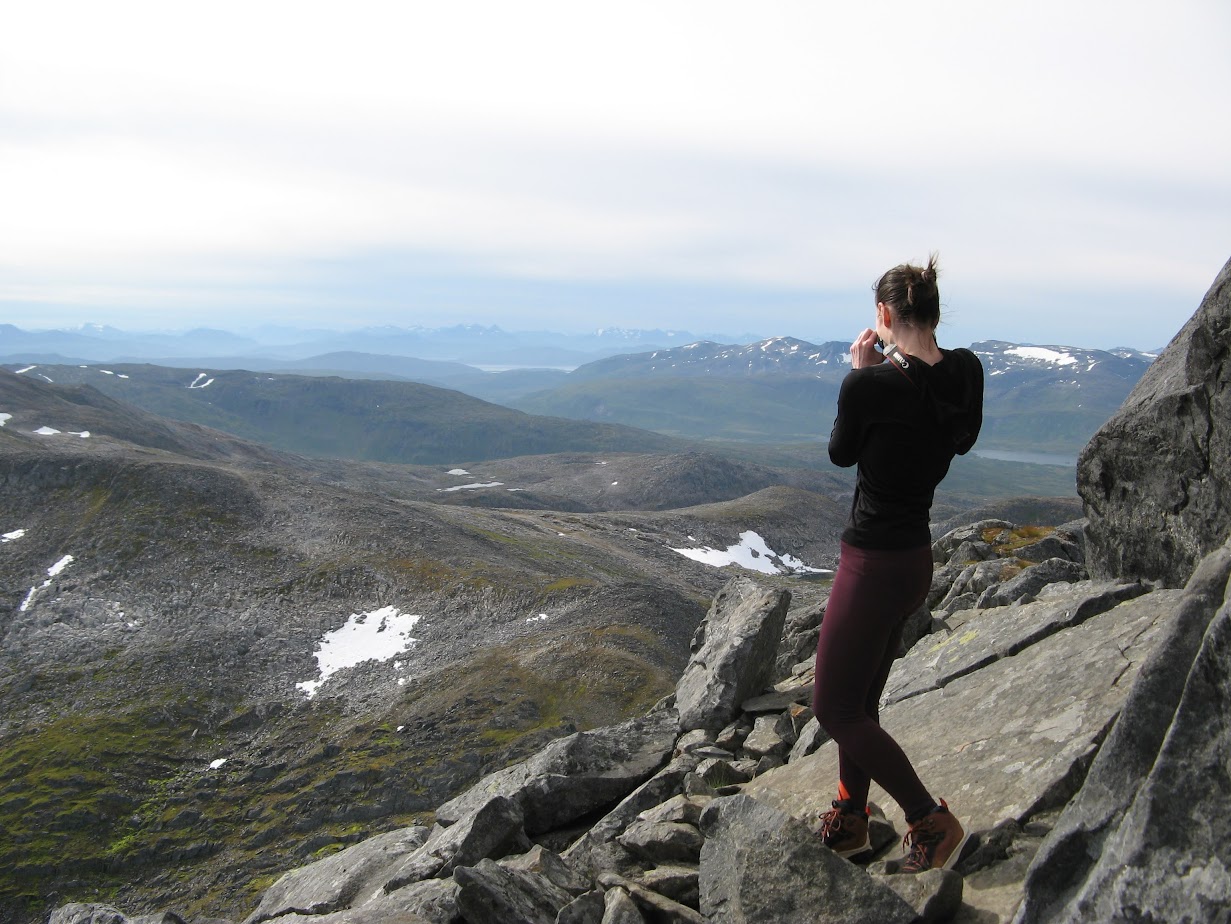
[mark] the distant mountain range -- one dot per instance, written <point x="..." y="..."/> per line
<point x="470" y="343"/>
<point x="1038" y="398"/>
<point x="1048" y="398"/>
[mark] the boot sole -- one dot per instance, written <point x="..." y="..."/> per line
<point x="956" y="857"/>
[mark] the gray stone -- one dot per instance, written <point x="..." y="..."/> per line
<point x="691" y="741"/>
<point x="1166" y="728"/>
<point x="334" y="882"/>
<point x="1161" y="862"/>
<point x="432" y="901"/>
<point x="943" y="548"/>
<point x="1011" y="739"/>
<point x="491" y="894"/>
<point x="761" y="866"/>
<point x="811" y="737"/>
<point x="1027" y="585"/>
<point x="1156" y="478"/>
<point x="1053" y="546"/>
<point x="492" y="830"/>
<point x="619" y="908"/>
<point x="731" y="737"/>
<point x="799" y="637"/>
<point x="969" y="552"/>
<point x="656" y="907"/>
<point x="778" y="700"/>
<point x="999" y="633"/>
<point x="975" y="579"/>
<point x="678" y="808"/>
<point x="677" y="882"/>
<point x="771" y="734"/>
<point x="581" y="855"/>
<point x="576" y="775"/>
<point x="718" y="773"/>
<point x="733" y="654"/>
<point x="584" y="909"/>
<point x="663" y="841"/>
<point x="548" y="864"/>
<point x="936" y="895"/>
<point x="87" y="913"/>
<point x="917" y="625"/>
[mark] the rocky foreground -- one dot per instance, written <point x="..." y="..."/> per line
<point x="705" y="808"/>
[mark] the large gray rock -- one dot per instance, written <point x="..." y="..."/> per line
<point x="1027" y="585"/>
<point x="93" y="913"/>
<point x="574" y="776"/>
<point x="1010" y="740"/>
<point x="761" y="866"/>
<point x="1067" y="872"/>
<point x="494" y="829"/>
<point x="1156" y="478"/>
<point x="87" y="913"/>
<point x="494" y="894"/>
<point x="333" y="883"/>
<point x="733" y="654"/>
<point x="1000" y="632"/>
<point x="586" y="854"/>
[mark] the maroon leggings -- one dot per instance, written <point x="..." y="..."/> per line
<point x="873" y="593"/>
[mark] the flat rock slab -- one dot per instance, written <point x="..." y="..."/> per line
<point x="999" y="633"/>
<point x="1009" y="739"/>
<point x="330" y="884"/>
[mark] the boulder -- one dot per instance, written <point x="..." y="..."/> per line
<point x="576" y="775"/>
<point x="663" y="841"/>
<point x="1026" y="585"/>
<point x="494" y="829"/>
<point x="771" y="735"/>
<point x="655" y="907"/>
<point x="88" y="913"/>
<point x="733" y="654"/>
<point x="761" y="866"/>
<point x="619" y="908"/>
<point x="493" y="894"/>
<point x="585" y="853"/>
<point x="944" y="547"/>
<point x="677" y="882"/>
<point x="584" y="909"/>
<point x="334" y="882"/>
<point x="1156" y="478"/>
<point x="1166" y="727"/>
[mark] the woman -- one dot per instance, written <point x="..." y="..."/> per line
<point x="902" y="415"/>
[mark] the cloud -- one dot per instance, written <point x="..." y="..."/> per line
<point x="242" y="155"/>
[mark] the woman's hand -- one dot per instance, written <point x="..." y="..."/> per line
<point x="863" y="350"/>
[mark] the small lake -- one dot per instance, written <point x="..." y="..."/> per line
<point x="1034" y="458"/>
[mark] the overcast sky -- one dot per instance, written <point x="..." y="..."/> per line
<point x="713" y="166"/>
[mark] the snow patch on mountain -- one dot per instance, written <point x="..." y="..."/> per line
<point x="51" y="572"/>
<point x="1043" y="354"/>
<point x="750" y="552"/>
<point x="380" y="635"/>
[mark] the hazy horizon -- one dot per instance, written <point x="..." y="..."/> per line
<point x="554" y="166"/>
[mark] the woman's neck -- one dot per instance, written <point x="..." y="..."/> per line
<point x="919" y="343"/>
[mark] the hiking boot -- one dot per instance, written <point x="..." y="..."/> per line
<point x="935" y="841"/>
<point x="844" y="829"/>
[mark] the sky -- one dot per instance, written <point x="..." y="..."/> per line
<point x="706" y="166"/>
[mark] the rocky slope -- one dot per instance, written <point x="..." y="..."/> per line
<point x="704" y="809"/>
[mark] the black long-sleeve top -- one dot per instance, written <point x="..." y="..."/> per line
<point x="902" y="426"/>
